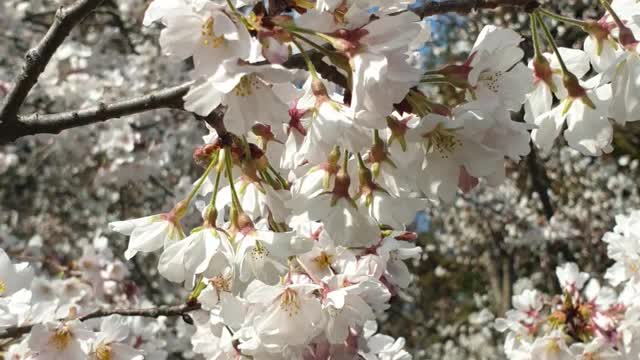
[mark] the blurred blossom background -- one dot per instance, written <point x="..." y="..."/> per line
<point x="58" y="193"/>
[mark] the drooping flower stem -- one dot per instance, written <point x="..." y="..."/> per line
<point x="215" y="189"/>
<point x="320" y="48"/>
<point x="238" y="15"/>
<point x="534" y="37"/>
<point x="345" y="161"/>
<point x="195" y="190"/>
<point x="565" y="19"/>
<point x="551" y="42"/>
<point x="307" y="60"/>
<point x="283" y="181"/>
<point x="228" y="164"/>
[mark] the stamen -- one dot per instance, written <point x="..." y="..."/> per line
<point x="323" y="260"/>
<point x="104" y="352"/>
<point x="209" y="36"/>
<point x="246" y="85"/>
<point x="289" y="302"/>
<point x="493" y="81"/>
<point x="259" y="252"/>
<point x="443" y="140"/>
<point x="61" y="338"/>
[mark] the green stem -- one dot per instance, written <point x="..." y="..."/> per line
<point x="238" y="15"/>
<point x="297" y="30"/>
<point x="318" y="47"/>
<point x="552" y="42"/>
<point x="197" y="290"/>
<point x="441" y="81"/>
<point x="267" y="177"/>
<point x="564" y="19"/>
<point x="307" y="60"/>
<point x="345" y="160"/>
<point x="360" y="161"/>
<point x="215" y="189"/>
<point x="283" y="181"/>
<point x="228" y="165"/>
<point x="535" y="37"/>
<point x="195" y="190"/>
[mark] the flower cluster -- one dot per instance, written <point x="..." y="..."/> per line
<point x="588" y="320"/>
<point x="310" y="179"/>
<point x="64" y="315"/>
<point x="323" y="144"/>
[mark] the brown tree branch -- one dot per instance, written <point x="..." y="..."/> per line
<point x="13" y="126"/>
<point x="166" y="98"/>
<point x="36" y="59"/>
<point x="55" y="123"/>
<point x="175" y="310"/>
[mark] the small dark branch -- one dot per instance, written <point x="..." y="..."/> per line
<point x="215" y="120"/>
<point x="36" y="59"/>
<point x="120" y="24"/>
<point x="431" y="7"/>
<point x="176" y="310"/>
<point x="55" y="123"/>
<point x="328" y="72"/>
<point x="166" y="98"/>
<point x="540" y="182"/>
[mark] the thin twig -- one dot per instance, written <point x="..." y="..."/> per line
<point x="175" y="310"/>
<point x="55" y="123"/>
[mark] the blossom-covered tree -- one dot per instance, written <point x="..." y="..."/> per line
<point x="325" y="135"/>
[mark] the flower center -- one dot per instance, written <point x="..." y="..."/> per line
<point x="441" y="139"/>
<point x="61" y="338"/>
<point x="220" y="284"/>
<point x="289" y="302"/>
<point x="104" y="352"/>
<point x="209" y="37"/>
<point x="3" y="287"/>
<point x="259" y="252"/>
<point x="492" y="81"/>
<point x="323" y="260"/>
<point x="246" y="85"/>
